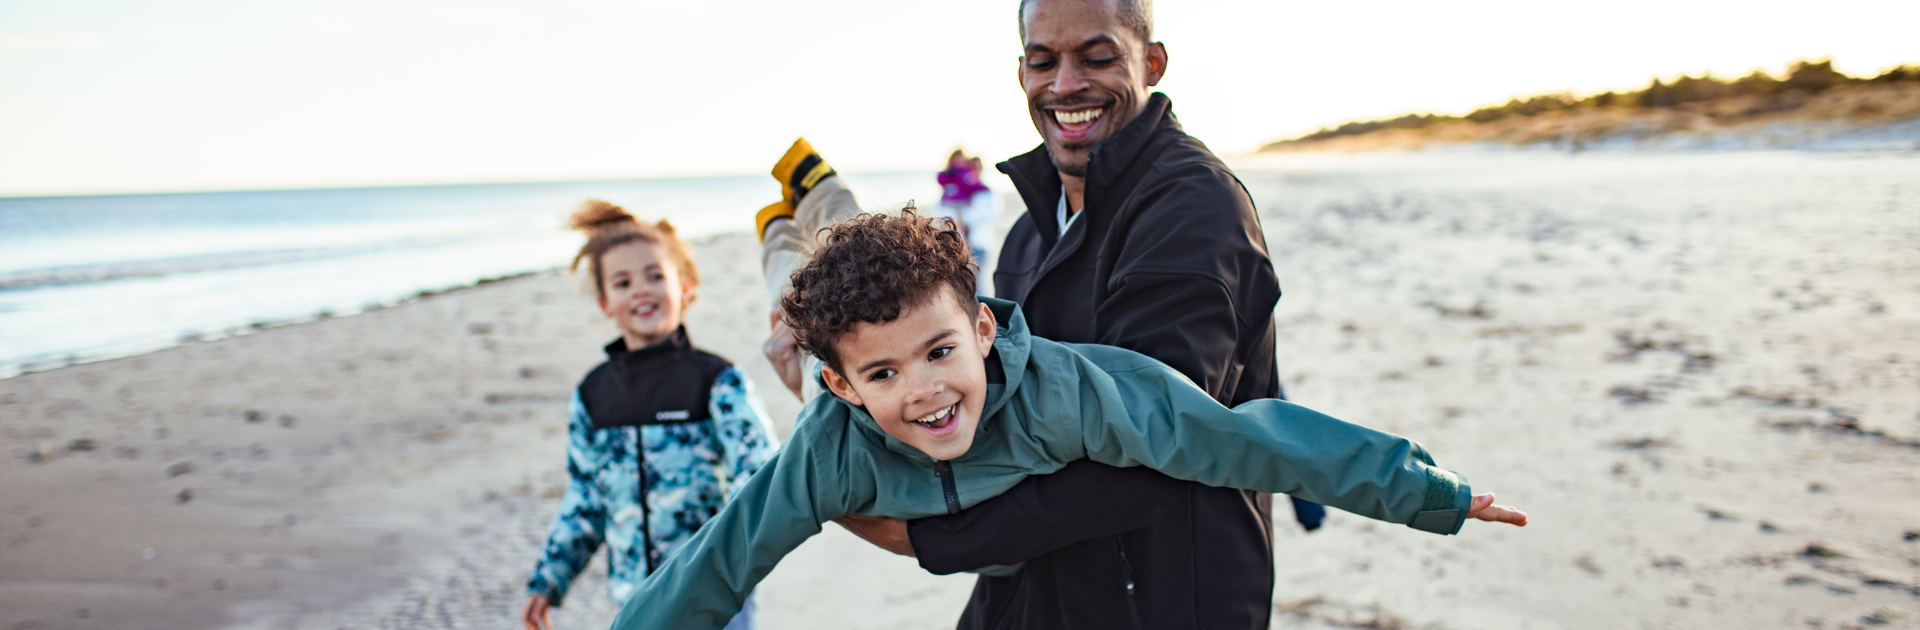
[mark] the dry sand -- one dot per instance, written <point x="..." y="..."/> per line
<point x="1711" y="414"/>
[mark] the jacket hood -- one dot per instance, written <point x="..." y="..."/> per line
<point x="1012" y="346"/>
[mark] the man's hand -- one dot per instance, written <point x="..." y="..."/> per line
<point x="1484" y="509"/>
<point x="784" y="353"/>
<point x="886" y="533"/>
<point x="535" y="616"/>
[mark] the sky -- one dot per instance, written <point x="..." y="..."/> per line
<point x="117" y="96"/>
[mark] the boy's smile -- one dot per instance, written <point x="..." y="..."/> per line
<point x="921" y="376"/>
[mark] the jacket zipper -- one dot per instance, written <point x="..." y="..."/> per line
<point x="944" y="471"/>
<point x="646" y="525"/>
<point x="1126" y="577"/>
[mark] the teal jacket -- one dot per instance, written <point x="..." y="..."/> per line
<point x="1058" y="403"/>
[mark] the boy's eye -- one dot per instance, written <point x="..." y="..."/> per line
<point x="881" y="375"/>
<point x="657" y="277"/>
<point x="939" y="353"/>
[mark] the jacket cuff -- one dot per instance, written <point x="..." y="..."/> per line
<point x="1445" y="508"/>
<point x="553" y="592"/>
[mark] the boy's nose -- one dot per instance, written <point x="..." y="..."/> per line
<point x="925" y="389"/>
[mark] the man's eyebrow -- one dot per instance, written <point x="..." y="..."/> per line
<point x="1096" y="40"/>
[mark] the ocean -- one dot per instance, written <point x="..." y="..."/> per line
<point x="91" y="277"/>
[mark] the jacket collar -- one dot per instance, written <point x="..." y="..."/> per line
<point x="1038" y="182"/>
<point x="624" y="360"/>
<point x="1012" y="347"/>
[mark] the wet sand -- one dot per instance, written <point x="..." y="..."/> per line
<point x="1696" y="374"/>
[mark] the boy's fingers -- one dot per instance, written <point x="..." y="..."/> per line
<point x="1480" y="502"/>
<point x="1503" y="514"/>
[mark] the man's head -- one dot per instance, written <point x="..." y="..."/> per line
<point x="887" y="303"/>
<point x="1086" y="69"/>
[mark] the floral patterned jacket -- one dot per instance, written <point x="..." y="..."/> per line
<point x="657" y="439"/>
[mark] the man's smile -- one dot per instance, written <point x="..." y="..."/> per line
<point x="1075" y="126"/>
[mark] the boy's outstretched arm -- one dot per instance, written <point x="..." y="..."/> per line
<point x="1155" y="417"/>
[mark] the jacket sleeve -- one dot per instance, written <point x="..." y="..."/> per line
<point x="703" y="584"/>
<point x="1087" y="498"/>
<point x="1159" y="419"/>
<point x="582" y="523"/>
<point x="1186" y="296"/>
<point x="740" y="423"/>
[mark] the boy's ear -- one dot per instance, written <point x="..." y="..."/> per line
<point x="839" y="386"/>
<point x="988" y="329"/>
<point x="602" y="301"/>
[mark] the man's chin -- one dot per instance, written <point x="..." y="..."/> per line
<point x="1070" y="161"/>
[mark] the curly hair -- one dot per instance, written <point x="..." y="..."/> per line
<point x="608" y="226"/>
<point x="871" y="268"/>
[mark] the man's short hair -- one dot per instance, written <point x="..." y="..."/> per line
<point x="1136" y="15"/>
<point x="871" y="268"/>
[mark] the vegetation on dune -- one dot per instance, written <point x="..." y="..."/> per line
<point x="1758" y="94"/>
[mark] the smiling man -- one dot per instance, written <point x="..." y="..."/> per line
<point x="1135" y="236"/>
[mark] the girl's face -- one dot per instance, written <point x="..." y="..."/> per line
<point x="642" y="292"/>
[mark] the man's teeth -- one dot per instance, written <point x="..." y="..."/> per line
<point x="1071" y="118"/>
<point x="937" y="415"/>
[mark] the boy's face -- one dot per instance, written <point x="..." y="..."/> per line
<point x="922" y="376"/>
<point x="642" y="292"/>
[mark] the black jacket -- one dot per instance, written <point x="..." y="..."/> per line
<point x="1169" y="261"/>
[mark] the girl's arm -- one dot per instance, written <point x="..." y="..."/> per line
<point x="582" y="523"/>
<point x="740" y="422"/>
<point x="1163" y="421"/>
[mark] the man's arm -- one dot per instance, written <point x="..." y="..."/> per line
<point x="1186" y="296"/>
<point x="1087" y="498"/>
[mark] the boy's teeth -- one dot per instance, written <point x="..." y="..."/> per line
<point x="930" y="418"/>
<point x="1069" y="118"/>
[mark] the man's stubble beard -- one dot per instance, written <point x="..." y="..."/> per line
<point x="1078" y="169"/>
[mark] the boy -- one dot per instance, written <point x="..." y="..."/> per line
<point x="941" y="399"/>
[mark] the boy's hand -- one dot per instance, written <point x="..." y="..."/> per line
<point x="784" y="353"/>
<point x="886" y="533"/>
<point x="1484" y="509"/>
<point x="535" y="616"/>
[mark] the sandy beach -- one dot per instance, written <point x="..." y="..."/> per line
<point x="1697" y="373"/>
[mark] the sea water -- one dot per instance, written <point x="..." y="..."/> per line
<point x="84" y="278"/>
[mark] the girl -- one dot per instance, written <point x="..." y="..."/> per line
<point x="968" y="201"/>
<point x="659" y="433"/>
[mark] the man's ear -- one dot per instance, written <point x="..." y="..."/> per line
<point x="839" y="386"/>
<point x="1156" y="63"/>
<point x="1022" y="62"/>
<point x="985" y="326"/>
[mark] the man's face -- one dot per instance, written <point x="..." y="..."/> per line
<point x="1085" y="74"/>
<point x="922" y="376"/>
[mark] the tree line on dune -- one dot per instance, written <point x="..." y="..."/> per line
<point x="1771" y="94"/>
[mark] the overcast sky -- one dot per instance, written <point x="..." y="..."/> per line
<point x="144" y="95"/>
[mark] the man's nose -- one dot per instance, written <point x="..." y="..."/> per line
<point x="1068" y="80"/>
